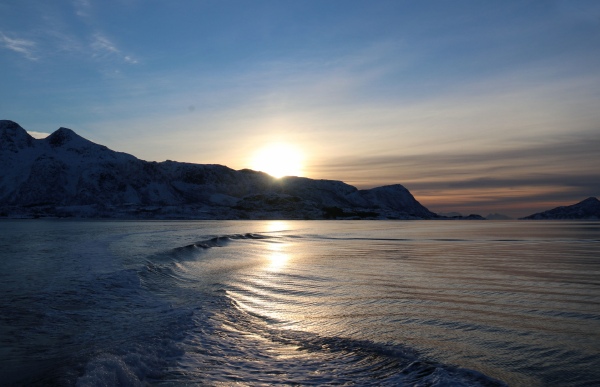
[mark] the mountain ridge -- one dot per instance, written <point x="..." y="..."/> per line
<point x="588" y="209"/>
<point x="67" y="175"/>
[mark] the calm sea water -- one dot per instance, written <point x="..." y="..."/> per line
<point x="95" y="303"/>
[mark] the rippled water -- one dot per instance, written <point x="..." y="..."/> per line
<point x="299" y="302"/>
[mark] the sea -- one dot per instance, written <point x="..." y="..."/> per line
<point x="302" y="303"/>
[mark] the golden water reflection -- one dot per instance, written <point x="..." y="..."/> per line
<point x="278" y="252"/>
<point x="274" y="226"/>
<point x="278" y="256"/>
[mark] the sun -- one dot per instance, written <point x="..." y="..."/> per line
<point x="278" y="160"/>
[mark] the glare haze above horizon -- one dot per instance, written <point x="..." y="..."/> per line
<point x="475" y="107"/>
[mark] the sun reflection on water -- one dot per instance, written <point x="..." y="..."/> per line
<point x="278" y="252"/>
<point x="274" y="226"/>
<point x="278" y="257"/>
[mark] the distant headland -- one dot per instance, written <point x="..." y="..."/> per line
<point x="66" y="175"/>
<point x="588" y="209"/>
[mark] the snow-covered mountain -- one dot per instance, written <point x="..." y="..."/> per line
<point x="586" y="209"/>
<point x="66" y="175"/>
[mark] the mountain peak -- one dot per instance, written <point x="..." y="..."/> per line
<point x="65" y="135"/>
<point x="13" y="136"/>
<point x="62" y="129"/>
<point x="8" y="124"/>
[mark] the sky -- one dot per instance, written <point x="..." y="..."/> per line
<point x="474" y="106"/>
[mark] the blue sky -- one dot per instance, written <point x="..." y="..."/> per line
<point x="474" y="106"/>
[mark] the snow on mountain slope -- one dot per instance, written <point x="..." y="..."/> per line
<point x="13" y="138"/>
<point x="65" y="174"/>
<point x="586" y="209"/>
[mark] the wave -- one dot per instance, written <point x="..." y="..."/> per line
<point x="221" y="241"/>
<point x="228" y="343"/>
<point x="343" y="360"/>
<point x="92" y="329"/>
<point x="309" y="306"/>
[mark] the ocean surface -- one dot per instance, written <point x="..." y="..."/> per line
<point x="428" y="303"/>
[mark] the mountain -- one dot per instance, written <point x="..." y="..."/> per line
<point x="586" y="209"/>
<point x="66" y="175"/>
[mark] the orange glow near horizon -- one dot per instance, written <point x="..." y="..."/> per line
<point x="515" y="202"/>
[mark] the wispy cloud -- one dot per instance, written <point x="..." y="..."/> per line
<point x="82" y="7"/>
<point x="101" y="44"/>
<point x="52" y="33"/>
<point x="574" y="155"/>
<point x="103" y="47"/>
<point x="539" y="175"/>
<point x="130" y="59"/>
<point x="22" y="46"/>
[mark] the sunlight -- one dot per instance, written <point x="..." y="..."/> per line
<point x="277" y="260"/>
<point x="276" y="226"/>
<point x="278" y="160"/>
<point x="277" y="257"/>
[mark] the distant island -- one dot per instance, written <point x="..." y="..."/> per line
<point x="497" y="216"/>
<point x="588" y="209"/>
<point x="494" y="216"/>
<point x="65" y="175"/>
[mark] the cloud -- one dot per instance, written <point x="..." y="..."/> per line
<point x="572" y="154"/>
<point x="82" y="8"/>
<point x="103" y="47"/>
<point x="102" y="44"/>
<point x="22" y="46"/>
<point x="532" y="177"/>
<point x="38" y="134"/>
<point x="52" y="32"/>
